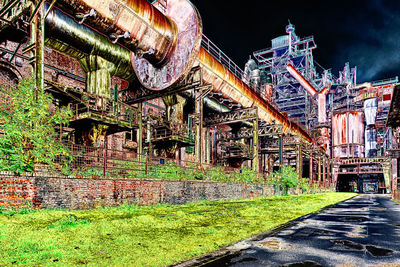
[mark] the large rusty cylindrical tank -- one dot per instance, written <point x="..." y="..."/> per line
<point x="348" y="134"/>
<point x="163" y="46"/>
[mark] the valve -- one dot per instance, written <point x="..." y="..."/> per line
<point x="92" y="13"/>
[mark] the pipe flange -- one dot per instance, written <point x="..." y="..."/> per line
<point x="182" y="57"/>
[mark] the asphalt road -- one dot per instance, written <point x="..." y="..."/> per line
<point x="363" y="231"/>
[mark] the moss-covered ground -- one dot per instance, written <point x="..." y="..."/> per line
<point x="132" y="235"/>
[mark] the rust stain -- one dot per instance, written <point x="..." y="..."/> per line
<point x="231" y="86"/>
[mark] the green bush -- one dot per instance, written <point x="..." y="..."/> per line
<point x="287" y="177"/>
<point x="246" y="175"/>
<point x="172" y="171"/>
<point x="304" y="184"/>
<point x="29" y="126"/>
<point x="217" y="174"/>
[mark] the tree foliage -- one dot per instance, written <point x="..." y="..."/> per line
<point x="287" y="177"/>
<point x="28" y="123"/>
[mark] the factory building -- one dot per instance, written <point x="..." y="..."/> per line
<point x="346" y="118"/>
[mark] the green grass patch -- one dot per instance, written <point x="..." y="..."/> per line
<point x="132" y="235"/>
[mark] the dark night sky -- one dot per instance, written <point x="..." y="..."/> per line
<point x="365" y="33"/>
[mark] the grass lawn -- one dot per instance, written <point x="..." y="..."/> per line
<point x="152" y="235"/>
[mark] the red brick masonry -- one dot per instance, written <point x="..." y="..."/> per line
<point x="85" y="193"/>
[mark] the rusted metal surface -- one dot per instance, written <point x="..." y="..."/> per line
<point x="63" y="27"/>
<point x="348" y="134"/>
<point x="148" y="29"/>
<point x="182" y="57"/>
<point x="393" y="119"/>
<point x="230" y="86"/>
<point x="79" y="41"/>
<point x="306" y="84"/>
<point x="163" y="47"/>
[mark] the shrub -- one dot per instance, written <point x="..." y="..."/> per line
<point x="304" y="184"/>
<point x="287" y="177"/>
<point x="29" y="128"/>
<point x="217" y="174"/>
<point x="245" y="174"/>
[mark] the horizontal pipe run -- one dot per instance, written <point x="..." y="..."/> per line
<point x="141" y="27"/>
<point x="232" y="87"/>
<point x="67" y="36"/>
<point x="84" y="40"/>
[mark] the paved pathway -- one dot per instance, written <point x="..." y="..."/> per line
<point x="363" y="231"/>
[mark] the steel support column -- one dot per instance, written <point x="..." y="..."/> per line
<point x="150" y="149"/>
<point x="311" y="166"/>
<point x="139" y="135"/>
<point x="280" y="151"/>
<point x="319" y="168"/>
<point x="328" y="166"/>
<point x="208" y="146"/>
<point x="255" y="161"/>
<point x="37" y="45"/>
<point x="299" y="161"/>
<point x="198" y="107"/>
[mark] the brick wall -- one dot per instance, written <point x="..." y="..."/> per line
<point x="82" y="193"/>
<point x="85" y="193"/>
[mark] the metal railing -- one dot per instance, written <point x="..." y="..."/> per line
<point x="217" y="53"/>
<point x="164" y="132"/>
<point x="386" y="81"/>
<point x="222" y="58"/>
<point x="296" y="43"/>
<point x="105" y="107"/>
<point x="99" y="162"/>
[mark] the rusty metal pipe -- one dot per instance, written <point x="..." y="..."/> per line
<point x="223" y="80"/>
<point x="148" y="30"/>
<point x="84" y="40"/>
<point x="67" y="36"/>
<point x="163" y="46"/>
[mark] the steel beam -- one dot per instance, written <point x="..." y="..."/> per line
<point x="319" y="169"/>
<point x="198" y="107"/>
<point x="139" y="135"/>
<point x="299" y="161"/>
<point x="239" y="115"/>
<point x="280" y="151"/>
<point x="208" y="146"/>
<point x="255" y="160"/>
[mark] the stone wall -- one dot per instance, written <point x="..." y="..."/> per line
<point x="83" y="193"/>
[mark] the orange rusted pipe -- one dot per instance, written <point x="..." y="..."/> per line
<point x="163" y="46"/>
<point x="322" y="105"/>
<point x="310" y="89"/>
<point x="150" y="31"/>
<point x="223" y="80"/>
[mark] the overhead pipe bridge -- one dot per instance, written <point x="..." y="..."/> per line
<point x="129" y="53"/>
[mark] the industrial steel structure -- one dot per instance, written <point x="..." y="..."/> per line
<point x="347" y="119"/>
<point x="146" y="80"/>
